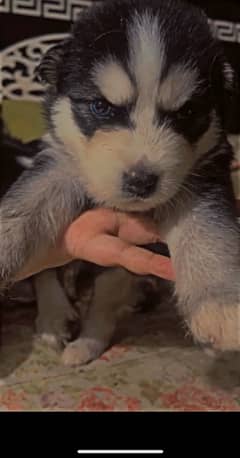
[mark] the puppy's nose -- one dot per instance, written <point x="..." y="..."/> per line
<point x="139" y="181"/>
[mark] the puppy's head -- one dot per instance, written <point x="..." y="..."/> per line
<point x="137" y="94"/>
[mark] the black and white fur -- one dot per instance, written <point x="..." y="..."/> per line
<point x="136" y="102"/>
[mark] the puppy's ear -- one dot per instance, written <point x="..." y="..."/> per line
<point x="229" y="81"/>
<point x="47" y="70"/>
<point x="231" y="98"/>
<point x="226" y="87"/>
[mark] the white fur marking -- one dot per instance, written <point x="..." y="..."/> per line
<point x="146" y="51"/>
<point x="25" y="161"/>
<point x="66" y="128"/>
<point x="113" y="82"/>
<point x="147" y="56"/>
<point x="178" y="86"/>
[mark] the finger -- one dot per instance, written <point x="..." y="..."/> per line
<point x="107" y="250"/>
<point x="143" y="262"/>
<point x="94" y="222"/>
<point x="137" y="229"/>
<point x="130" y="228"/>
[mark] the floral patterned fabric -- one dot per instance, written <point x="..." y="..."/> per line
<point x="151" y="366"/>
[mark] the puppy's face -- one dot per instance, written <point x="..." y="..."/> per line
<point x="135" y="98"/>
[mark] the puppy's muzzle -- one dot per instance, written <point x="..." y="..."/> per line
<point x="138" y="181"/>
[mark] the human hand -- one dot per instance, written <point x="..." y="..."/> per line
<point x="106" y="238"/>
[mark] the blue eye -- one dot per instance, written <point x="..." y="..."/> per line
<point x="102" y="109"/>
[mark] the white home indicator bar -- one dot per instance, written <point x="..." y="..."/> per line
<point x="120" y="452"/>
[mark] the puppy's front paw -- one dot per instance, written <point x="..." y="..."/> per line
<point x="82" y="351"/>
<point x="217" y="326"/>
<point x="59" y="328"/>
<point x="50" y="340"/>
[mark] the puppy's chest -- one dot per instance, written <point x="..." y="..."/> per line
<point x="178" y="227"/>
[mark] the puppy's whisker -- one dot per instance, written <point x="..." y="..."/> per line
<point x="186" y="190"/>
<point x="104" y="34"/>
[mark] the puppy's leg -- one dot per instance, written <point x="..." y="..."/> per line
<point x="114" y="293"/>
<point x="204" y="242"/>
<point x="36" y="210"/>
<point x="216" y="324"/>
<point x="54" y="309"/>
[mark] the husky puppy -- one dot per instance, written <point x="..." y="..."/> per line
<point x="136" y="104"/>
